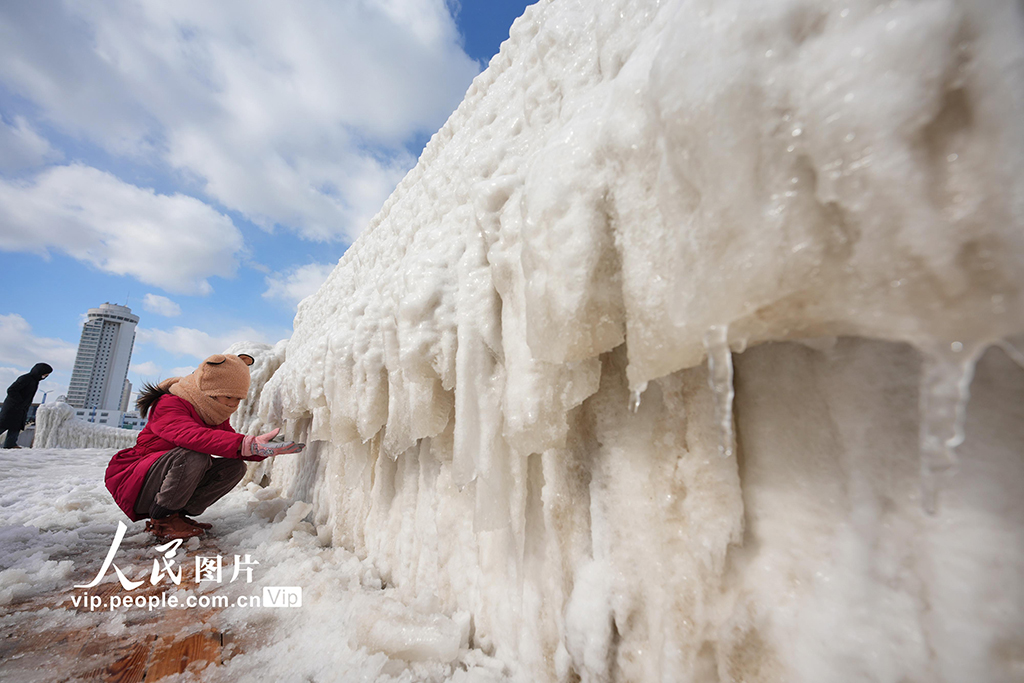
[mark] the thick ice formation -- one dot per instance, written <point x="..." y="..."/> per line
<point x="517" y="383"/>
<point x="56" y="427"/>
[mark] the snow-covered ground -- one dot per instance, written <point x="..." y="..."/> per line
<point x="57" y="522"/>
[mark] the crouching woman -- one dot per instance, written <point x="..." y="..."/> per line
<point x="187" y="456"/>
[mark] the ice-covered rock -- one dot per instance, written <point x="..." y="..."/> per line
<point x="518" y="382"/>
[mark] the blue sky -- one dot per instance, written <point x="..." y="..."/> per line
<point x="207" y="163"/>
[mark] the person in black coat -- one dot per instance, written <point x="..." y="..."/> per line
<point x="19" y="399"/>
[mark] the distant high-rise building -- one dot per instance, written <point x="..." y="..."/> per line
<point x="100" y="376"/>
<point x="126" y="396"/>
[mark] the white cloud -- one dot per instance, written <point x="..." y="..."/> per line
<point x="8" y="375"/>
<point x="22" y="349"/>
<point x="21" y="147"/>
<point x="161" y="305"/>
<point x="147" y="369"/>
<point x="174" y="242"/>
<point x="299" y="283"/>
<point x="186" y="341"/>
<point x="291" y="113"/>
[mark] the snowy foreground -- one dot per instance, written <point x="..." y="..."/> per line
<point x="57" y="522"/>
<point x="686" y="352"/>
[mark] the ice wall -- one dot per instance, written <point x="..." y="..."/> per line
<point x="57" y="427"/>
<point x="518" y="383"/>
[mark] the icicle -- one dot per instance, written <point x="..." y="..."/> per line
<point x="944" y="392"/>
<point x="635" y="396"/>
<point x="1015" y="354"/>
<point x="716" y="341"/>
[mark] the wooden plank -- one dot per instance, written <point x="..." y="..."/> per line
<point x="174" y="658"/>
<point x="130" y="668"/>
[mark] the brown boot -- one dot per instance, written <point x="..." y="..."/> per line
<point x="196" y="523"/>
<point x="170" y="528"/>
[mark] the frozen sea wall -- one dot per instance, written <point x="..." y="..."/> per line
<point x="658" y="360"/>
<point x="57" y="427"/>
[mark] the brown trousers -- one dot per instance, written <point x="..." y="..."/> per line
<point x="181" y="479"/>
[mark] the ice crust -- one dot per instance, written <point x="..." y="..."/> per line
<point x="517" y="382"/>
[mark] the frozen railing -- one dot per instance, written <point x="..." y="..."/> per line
<point x="56" y="427"/>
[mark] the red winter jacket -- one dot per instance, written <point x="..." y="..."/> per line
<point x="173" y="423"/>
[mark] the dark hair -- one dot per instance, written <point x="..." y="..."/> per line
<point x="148" y="397"/>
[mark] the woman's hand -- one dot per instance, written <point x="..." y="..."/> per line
<point x="257" y="448"/>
